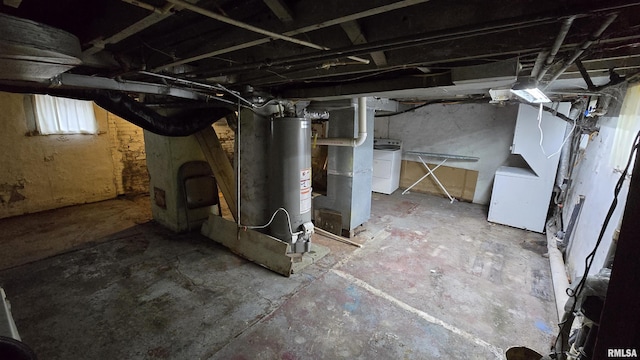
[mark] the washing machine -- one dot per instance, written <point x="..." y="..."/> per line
<point x="387" y="158"/>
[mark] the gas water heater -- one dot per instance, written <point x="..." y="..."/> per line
<point x="290" y="181"/>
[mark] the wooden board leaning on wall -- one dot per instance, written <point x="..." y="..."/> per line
<point x="460" y="183"/>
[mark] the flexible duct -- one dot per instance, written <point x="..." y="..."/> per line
<point x="362" y="129"/>
<point x="183" y="124"/>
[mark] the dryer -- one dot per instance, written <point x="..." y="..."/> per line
<point x="387" y="158"/>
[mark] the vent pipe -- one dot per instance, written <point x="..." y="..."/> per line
<point x="595" y="36"/>
<point x="564" y="30"/>
<point x="362" y="129"/>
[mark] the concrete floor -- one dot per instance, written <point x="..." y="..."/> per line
<point x="434" y="280"/>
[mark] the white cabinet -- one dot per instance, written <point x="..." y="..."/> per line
<point x="521" y="196"/>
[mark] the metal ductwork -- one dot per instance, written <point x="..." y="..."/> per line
<point x="30" y="51"/>
<point x="362" y="129"/>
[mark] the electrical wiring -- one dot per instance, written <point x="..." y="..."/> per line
<point x="271" y="220"/>
<point x="574" y="294"/>
<point x="216" y="87"/>
<point x="575" y="122"/>
<point x="542" y="134"/>
<point x="614" y="203"/>
<point x="540" y="128"/>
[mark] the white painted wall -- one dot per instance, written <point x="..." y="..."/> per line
<point x="595" y="178"/>
<point x="481" y="130"/>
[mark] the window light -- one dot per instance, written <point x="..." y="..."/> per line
<point x="56" y="115"/>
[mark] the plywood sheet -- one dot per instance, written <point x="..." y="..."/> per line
<point x="460" y="183"/>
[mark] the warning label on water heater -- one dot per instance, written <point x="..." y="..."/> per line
<point x="305" y="190"/>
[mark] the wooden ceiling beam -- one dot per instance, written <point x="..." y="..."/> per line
<point x="12" y="3"/>
<point x="332" y="22"/>
<point x="280" y="9"/>
<point x="355" y="34"/>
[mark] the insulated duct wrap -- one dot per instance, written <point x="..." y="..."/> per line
<point x="290" y="179"/>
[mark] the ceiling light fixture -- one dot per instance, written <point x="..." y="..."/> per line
<point x="528" y="90"/>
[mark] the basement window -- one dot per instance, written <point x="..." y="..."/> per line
<point x="62" y="116"/>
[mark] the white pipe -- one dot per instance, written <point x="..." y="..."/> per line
<point x="255" y="29"/>
<point x="362" y="129"/>
<point x="595" y="36"/>
<point x="558" y="274"/>
<point x="564" y="30"/>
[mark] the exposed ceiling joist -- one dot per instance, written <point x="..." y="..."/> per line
<point x="406" y="39"/>
<point x="355" y="34"/>
<point x="274" y="35"/>
<point x="464" y="32"/>
<point x="318" y="85"/>
<point x="325" y="24"/>
<point x="372" y="87"/>
<point x="12" y="3"/>
<point x="280" y="9"/>
<point x="157" y="16"/>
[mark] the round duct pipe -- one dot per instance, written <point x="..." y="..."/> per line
<point x="290" y="181"/>
<point x="30" y="51"/>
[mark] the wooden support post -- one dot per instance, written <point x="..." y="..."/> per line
<point x="220" y="165"/>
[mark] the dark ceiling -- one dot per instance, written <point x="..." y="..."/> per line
<point x="340" y="48"/>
